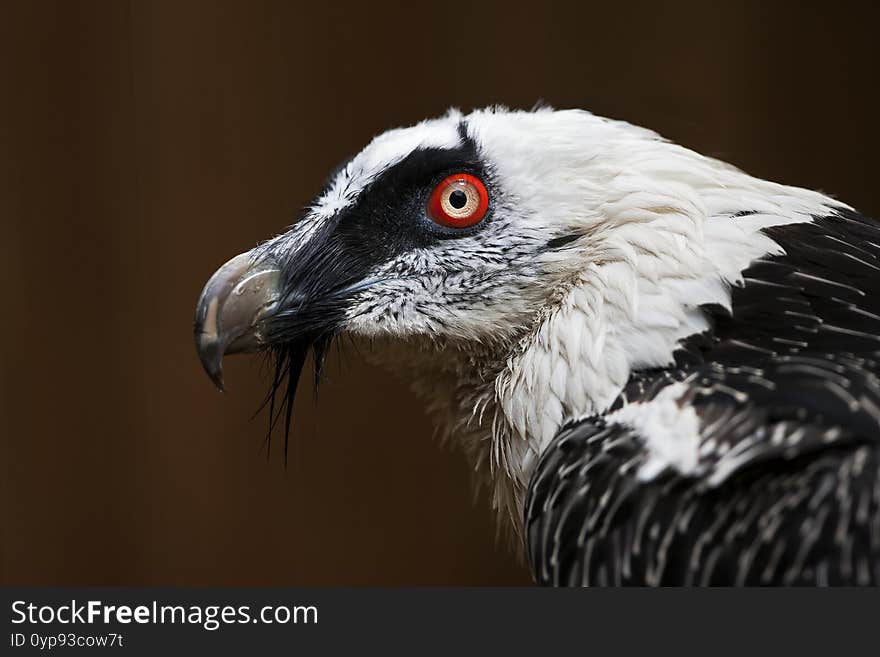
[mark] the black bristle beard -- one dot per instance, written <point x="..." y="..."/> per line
<point x="287" y="361"/>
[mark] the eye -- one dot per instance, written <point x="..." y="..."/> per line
<point x="460" y="201"/>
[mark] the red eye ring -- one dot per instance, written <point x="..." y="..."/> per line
<point x="459" y="201"/>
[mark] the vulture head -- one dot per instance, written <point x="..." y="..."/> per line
<point x="515" y="267"/>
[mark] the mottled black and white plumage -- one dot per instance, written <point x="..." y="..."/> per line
<point x="666" y="370"/>
<point x="783" y="487"/>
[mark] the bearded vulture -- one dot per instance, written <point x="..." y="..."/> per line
<point x="665" y="369"/>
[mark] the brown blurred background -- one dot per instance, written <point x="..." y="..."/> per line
<point x="144" y="143"/>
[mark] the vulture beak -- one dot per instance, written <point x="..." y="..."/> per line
<point x="232" y="307"/>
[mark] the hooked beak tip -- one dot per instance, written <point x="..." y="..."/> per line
<point x="234" y="302"/>
<point x="211" y="352"/>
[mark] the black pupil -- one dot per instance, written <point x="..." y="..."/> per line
<point x="458" y="199"/>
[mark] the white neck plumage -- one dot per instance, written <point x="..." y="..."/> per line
<point x="672" y="234"/>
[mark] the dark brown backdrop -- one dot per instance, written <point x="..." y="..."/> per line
<point x="143" y="143"/>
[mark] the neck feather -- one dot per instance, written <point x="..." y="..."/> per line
<point x="668" y="238"/>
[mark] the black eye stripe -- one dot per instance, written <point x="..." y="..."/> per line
<point x="387" y="219"/>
